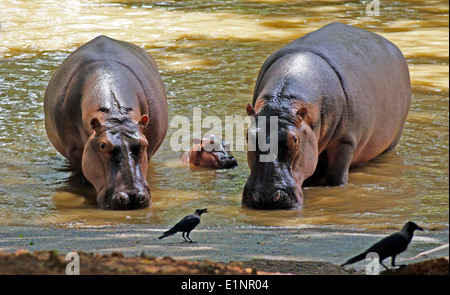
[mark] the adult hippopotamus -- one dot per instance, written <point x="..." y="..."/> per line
<point x="106" y="112"/>
<point x="340" y="95"/>
<point x="209" y="153"/>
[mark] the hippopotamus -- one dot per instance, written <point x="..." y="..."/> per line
<point x="340" y="96"/>
<point x="209" y="153"/>
<point x="106" y="112"/>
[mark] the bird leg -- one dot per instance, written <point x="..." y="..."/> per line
<point x="384" y="265"/>
<point x="190" y="241"/>
<point x="394" y="265"/>
<point x="393" y="260"/>
<point x="187" y="236"/>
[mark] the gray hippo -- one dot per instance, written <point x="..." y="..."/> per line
<point x="106" y="112"/>
<point x="340" y="95"/>
<point x="209" y="153"/>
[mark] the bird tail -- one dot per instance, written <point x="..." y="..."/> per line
<point x="355" y="259"/>
<point x="167" y="233"/>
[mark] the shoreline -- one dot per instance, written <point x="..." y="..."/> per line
<point x="222" y="245"/>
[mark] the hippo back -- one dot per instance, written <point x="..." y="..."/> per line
<point x="58" y="98"/>
<point x="355" y="54"/>
<point x="373" y="74"/>
<point x="106" y="112"/>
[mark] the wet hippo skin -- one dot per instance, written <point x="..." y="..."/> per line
<point x="209" y="153"/>
<point x="341" y="95"/>
<point x="106" y="112"/>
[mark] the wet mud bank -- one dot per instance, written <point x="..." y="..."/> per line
<point x="292" y="250"/>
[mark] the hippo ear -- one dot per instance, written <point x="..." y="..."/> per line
<point x="143" y="121"/>
<point x="302" y="112"/>
<point x="212" y="139"/>
<point x="226" y="145"/>
<point x="300" y="116"/>
<point x="96" y="125"/>
<point x="250" y="110"/>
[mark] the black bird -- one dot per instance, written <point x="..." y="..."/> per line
<point x="186" y="225"/>
<point x="390" y="246"/>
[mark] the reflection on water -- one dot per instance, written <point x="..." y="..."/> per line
<point x="209" y="54"/>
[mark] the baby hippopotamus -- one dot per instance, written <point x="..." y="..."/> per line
<point x="209" y="153"/>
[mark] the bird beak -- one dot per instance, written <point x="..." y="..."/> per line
<point x="205" y="210"/>
<point x="419" y="228"/>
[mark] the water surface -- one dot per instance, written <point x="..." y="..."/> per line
<point x="209" y="54"/>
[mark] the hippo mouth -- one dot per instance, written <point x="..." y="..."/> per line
<point x="278" y="199"/>
<point x="224" y="161"/>
<point x="227" y="162"/>
<point x="125" y="201"/>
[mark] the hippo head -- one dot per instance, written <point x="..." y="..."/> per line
<point x="209" y="152"/>
<point x="115" y="162"/>
<point x="275" y="182"/>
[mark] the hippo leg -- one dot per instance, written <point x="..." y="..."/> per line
<point x="339" y="160"/>
<point x="394" y="143"/>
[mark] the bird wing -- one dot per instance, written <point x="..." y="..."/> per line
<point x="391" y="245"/>
<point x="188" y="223"/>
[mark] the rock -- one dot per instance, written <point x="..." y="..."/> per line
<point x="435" y="266"/>
<point x="51" y="263"/>
<point x="300" y="267"/>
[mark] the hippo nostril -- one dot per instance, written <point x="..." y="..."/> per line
<point x="256" y="197"/>
<point x="276" y="196"/>
<point x="121" y="198"/>
<point x="141" y="198"/>
<point x="227" y="162"/>
<point x="267" y="201"/>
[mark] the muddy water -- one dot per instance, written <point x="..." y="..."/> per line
<point x="209" y="54"/>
